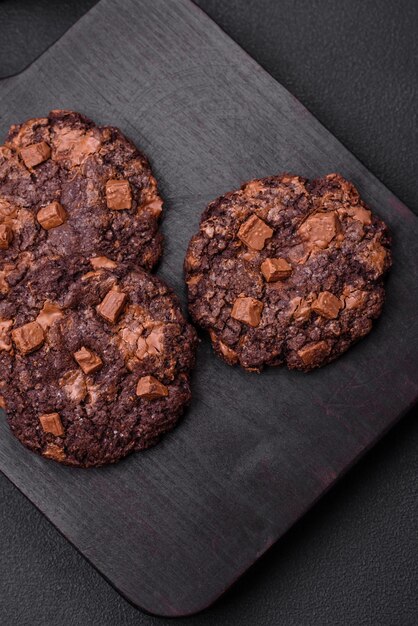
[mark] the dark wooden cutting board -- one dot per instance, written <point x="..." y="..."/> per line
<point x="172" y="528"/>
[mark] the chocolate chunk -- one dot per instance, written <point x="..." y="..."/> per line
<point x="73" y="146"/>
<point x="301" y="308"/>
<point x="51" y="423"/>
<point x="51" y="215"/>
<point x="154" y="206"/>
<point x="150" y="388"/>
<point x="194" y="280"/>
<point x="54" y="452"/>
<point x="2" y="403"/>
<point x="102" y="262"/>
<point x="6" y="236"/>
<point x="228" y="353"/>
<point x="74" y="385"/>
<point x="376" y="256"/>
<point x="35" y="154"/>
<point x="155" y="340"/>
<point x="29" y="337"/>
<point x="48" y="314"/>
<point x="118" y="195"/>
<point x="360" y="214"/>
<point x="254" y="233"/>
<point x="5" y="339"/>
<point x="87" y="360"/>
<point x="327" y="305"/>
<point x="4" y="285"/>
<point x="313" y="353"/>
<point x="275" y="269"/>
<point x="140" y="342"/>
<point x="247" y="310"/>
<point x="319" y="229"/>
<point x="7" y="209"/>
<point x="354" y="298"/>
<point x="111" y="306"/>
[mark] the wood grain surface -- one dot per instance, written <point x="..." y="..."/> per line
<point x="172" y="528"/>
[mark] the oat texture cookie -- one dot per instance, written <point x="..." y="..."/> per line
<point x="69" y="188"/>
<point x="287" y="271"/>
<point x="98" y="369"/>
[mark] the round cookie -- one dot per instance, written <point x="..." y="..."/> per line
<point x="287" y="271"/>
<point x="100" y="371"/>
<point x="69" y="188"/>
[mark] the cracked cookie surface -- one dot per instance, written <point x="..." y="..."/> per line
<point x="99" y="369"/>
<point x="71" y="189"/>
<point x="287" y="271"/>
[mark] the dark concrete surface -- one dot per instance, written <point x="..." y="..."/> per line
<point x="354" y="558"/>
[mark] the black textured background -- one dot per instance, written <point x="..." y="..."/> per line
<point x="354" y="558"/>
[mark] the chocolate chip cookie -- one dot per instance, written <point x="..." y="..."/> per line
<point x="287" y="271"/>
<point x="69" y="188"/>
<point x="99" y="369"/>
